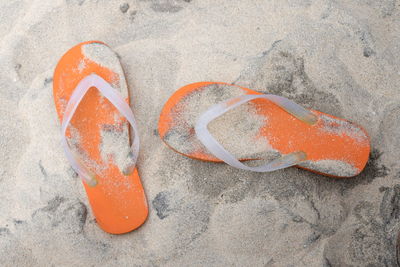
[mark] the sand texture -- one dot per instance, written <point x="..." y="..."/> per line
<point x="340" y="57"/>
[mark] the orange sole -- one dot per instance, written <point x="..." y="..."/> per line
<point x="331" y="139"/>
<point x="118" y="201"/>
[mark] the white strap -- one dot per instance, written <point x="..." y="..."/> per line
<point x="220" y="152"/>
<point x="118" y="101"/>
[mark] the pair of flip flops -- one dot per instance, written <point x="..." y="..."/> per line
<point x="202" y="121"/>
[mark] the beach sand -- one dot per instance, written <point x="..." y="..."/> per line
<point x="340" y="57"/>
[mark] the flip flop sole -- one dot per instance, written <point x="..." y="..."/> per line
<point x="262" y="130"/>
<point x="100" y="136"/>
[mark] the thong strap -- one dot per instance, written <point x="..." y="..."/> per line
<point x="118" y="101"/>
<point x="221" y="153"/>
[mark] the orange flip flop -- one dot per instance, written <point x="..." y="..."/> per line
<point x="92" y="102"/>
<point x="205" y="120"/>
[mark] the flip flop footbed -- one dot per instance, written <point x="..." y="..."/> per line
<point x="261" y="130"/>
<point x="100" y="136"/>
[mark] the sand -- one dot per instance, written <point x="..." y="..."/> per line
<point x="339" y="57"/>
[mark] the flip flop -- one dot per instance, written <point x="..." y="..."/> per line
<point x="92" y="102"/>
<point x="255" y="126"/>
